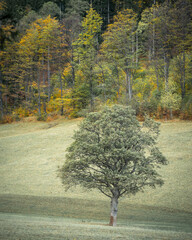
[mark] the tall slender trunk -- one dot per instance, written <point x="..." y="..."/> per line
<point x="61" y="88"/>
<point x="108" y="9"/>
<point x="60" y="12"/>
<point x="72" y="67"/>
<point x="157" y="75"/>
<point x="166" y="70"/>
<point x="30" y="86"/>
<point x="128" y="86"/>
<point x="118" y="83"/>
<point x="1" y="97"/>
<point x="137" y="48"/>
<point x="104" y="87"/>
<point x="48" y="74"/>
<point x="44" y="93"/>
<point x="26" y="88"/>
<point x="1" y="83"/>
<point x="133" y="46"/>
<point x="183" y="73"/>
<point x="39" y="93"/>
<point x="154" y="15"/>
<point x="91" y="93"/>
<point x="149" y="53"/>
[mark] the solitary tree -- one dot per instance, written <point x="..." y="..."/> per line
<point x="115" y="154"/>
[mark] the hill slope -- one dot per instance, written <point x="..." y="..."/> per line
<point x="30" y="154"/>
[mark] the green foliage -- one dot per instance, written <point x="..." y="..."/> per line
<point x="27" y="20"/>
<point x="113" y="152"/>
<point x="141" y="52"/>
<point x="186" y="107"/>
<point x="41" y="117"/>
<point x="49" y="8"/>
<point x="86" y="50"/>
<point x="170" y="99"/>
<point x="87" y="42"/>
<point x="76" y="7"/>
<point x="80" y="98"/>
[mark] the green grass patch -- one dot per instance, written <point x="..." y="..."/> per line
<point x="30" y="154"/>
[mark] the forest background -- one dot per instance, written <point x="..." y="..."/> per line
<point x="70" y="57"/>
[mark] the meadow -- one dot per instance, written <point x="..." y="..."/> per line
<point x="34" y="205"/>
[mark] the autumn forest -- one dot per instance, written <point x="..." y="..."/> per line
<point x="71" y="57"/>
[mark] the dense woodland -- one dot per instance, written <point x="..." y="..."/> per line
<point x="70" y="57"/>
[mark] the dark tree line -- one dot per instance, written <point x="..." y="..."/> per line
<point x="73" y="56"/>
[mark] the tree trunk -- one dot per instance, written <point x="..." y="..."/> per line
<point x="91" y="91"/>
<point x="44" y="93"/>
<point x="48" y="75"/>
<point x="1" y="98"/>
<point x="114" y="210"/>
<point x="183" y="73"/>
<point x="61" y="88"/>
<point x="166" y="70"/>
<point x="108" y="10"/>
<point x="128" y="86"/>
<point x="156" y="72"/>
<point x="73" y="69"/>
<point x="154" y="15"/>
<point x="137" y="48"/>
<point x="39" y="93"/>
<point x="91" y="95"/>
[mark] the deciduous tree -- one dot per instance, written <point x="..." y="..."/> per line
<point x="114" y="153"/>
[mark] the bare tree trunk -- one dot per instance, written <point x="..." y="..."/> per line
<point x="154" y="15"/>
<point x="1" y="98"/>
<point x="166" y="70"/>
<point x="61" y="88"/>
<point x="44" y="93"/>
<point x="73" y="69"/>
<point x="155" y="65"/>
<point x="118" y="83"/>
<point x="157" y="77"/>
<point x="108" y="10"/>
<point x="92" y="97"/>
<point x="133" y="46"/>
<point x="128" y="86"/>
<point x="48" y="75"/>
<point x="39" y="93"/>
<point x="114" y="210"/>
<point x="26" y="87"/>
<point x="104" y="88"/>
<point x="183" y="85"/>
<point x="137" y="48"/>
<point x="149" y="54"/>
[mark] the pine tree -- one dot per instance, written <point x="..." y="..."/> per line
<point x="119" y="46"/>
<point x="87" y="49"/>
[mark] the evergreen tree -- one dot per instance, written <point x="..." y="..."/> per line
<point x="87" y="49"/>
<point x="119" y="46"/>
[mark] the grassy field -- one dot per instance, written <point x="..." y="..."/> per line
<point x="31" y="194"/>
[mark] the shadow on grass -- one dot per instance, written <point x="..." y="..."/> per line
<point x="88" y="211"/>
